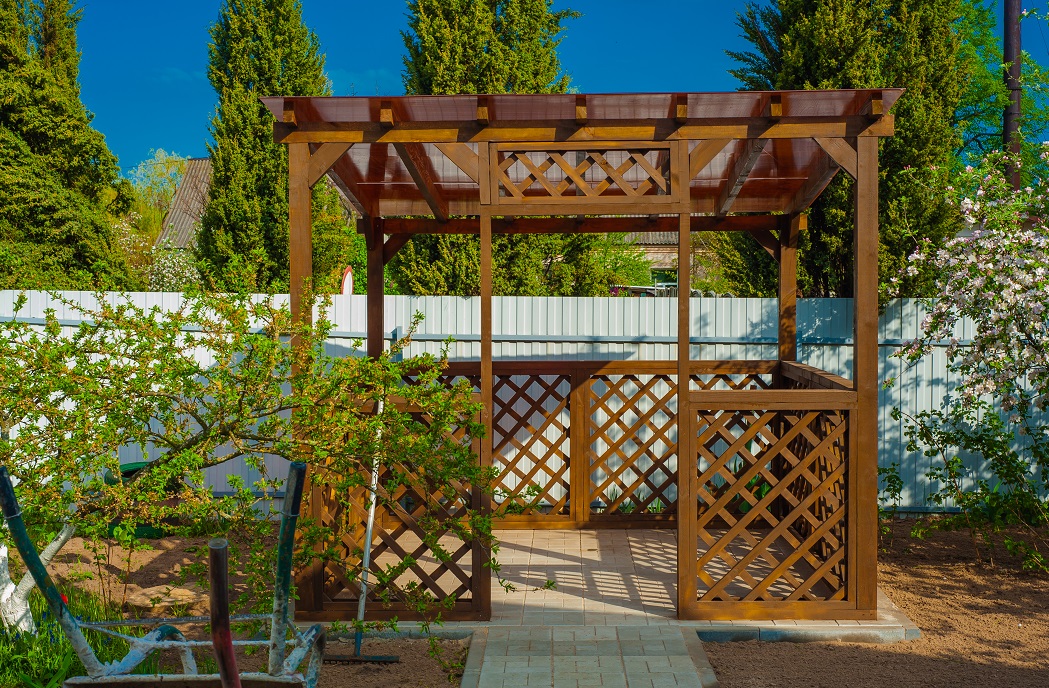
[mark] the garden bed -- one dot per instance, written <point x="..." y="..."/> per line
<point x="981" y="625"/>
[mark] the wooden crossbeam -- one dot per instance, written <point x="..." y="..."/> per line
<point x="421" y="170"/>
<point x="703" y="154"/>
<point x="567" y="130"/>
<point x="392" y="245"/>
<point x="738" y="175"/>
<point x="768" y="242"/>
<point x="572" y="225"/>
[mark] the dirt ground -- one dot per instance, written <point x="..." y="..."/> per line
<point x="981" y="626"/>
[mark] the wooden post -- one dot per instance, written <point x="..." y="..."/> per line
<point x="687" y="470"/>
<point x="487" y="378"/>
<point x="788" y="285"/>
<point x="300" y="255"/>
<point x="863" y="455"/>
<point x="376" y="287"/>
<point x="579" y="446"/>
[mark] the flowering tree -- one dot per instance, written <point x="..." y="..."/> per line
<point x="996" y="274"/>
<point x="215" y="380"/>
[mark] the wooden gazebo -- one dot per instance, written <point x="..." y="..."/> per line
<point x="766" y="468"/>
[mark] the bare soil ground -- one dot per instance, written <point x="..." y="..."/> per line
<point x="981" y="624"/>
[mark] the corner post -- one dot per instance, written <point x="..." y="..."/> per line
<point x="790" y="228"/>
<point x="373" y="235"/>
<point x="863" y="473"/>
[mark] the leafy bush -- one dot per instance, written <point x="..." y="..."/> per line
<point x="996" y="274"/>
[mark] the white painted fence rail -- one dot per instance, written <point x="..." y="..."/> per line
<point x="622" y="328"/>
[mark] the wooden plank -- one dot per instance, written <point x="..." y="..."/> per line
<point x="568" y="131"/>
<point x="773" y="400"/>
<point x="487" y="377"/>
<point x="422" y="173"/>
<point x="464" y="158"/>
<point x="741" y="168"/>
<point x="603" y="205"/>
<point x="574" y="225"/>
<point x="841" y="151"/>
<point x="703" y="154"/>
<point x="863" y="471"/>
<point x="376" y="286"/>
<point x="814" y="377"/>
<point x="732" y="610"/>
<point x="323" y="157"/>
<point x="788" y="285"/>
<point x="680" y="179"/>
<point x="688" y="470"/>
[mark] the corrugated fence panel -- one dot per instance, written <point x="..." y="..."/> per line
<point x="538" y="328"/>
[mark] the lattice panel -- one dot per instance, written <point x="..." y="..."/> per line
<point x="443" y="570"/>
<point x="633" y="441"/>
<point x="531" y="444"/>
<point x="727" y="381"/>
<point x="570" y="175"/>
<point x="772" y="505"/>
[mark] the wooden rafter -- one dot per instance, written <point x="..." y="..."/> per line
<point x="421" y="170"/>
<point x="738" y="175"/>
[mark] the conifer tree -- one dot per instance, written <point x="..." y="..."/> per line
<point x="58" y="179"/>
<point x="258" y="48"/>
<point x="809" y="44"/>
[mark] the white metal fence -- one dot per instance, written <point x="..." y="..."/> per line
<point x="538" y="328"/>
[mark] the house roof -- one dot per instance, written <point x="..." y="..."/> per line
<point x="187" y="205"/>
<point x="750" y="152"/>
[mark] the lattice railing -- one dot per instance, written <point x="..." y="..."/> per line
<point x="531" y="437"/>
<point x="442" y="563"/>
<point x="570" y="174"/>
<point x="772" y="505"/>
<point x="632" y="437"/>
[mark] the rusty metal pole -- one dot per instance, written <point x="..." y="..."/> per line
<point x="1011" y="120"/>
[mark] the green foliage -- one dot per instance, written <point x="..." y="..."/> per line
<point x="58" y="180"/>
<point x="215" y="381"/>
<point x="259" y="48"/>
<point x="47" y="658"/>
<point x="483" y="46"/>
<point x="854" y="44"/>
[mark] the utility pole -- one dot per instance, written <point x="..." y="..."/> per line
<point x="1011" y="120"/>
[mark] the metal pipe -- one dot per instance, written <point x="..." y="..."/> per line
<point x="221" y="635"/>
<point x="1011" y="118"/>
<point x="362" y="601"/>
<point x="285" y="549"/>
<point x="13" y="517"/>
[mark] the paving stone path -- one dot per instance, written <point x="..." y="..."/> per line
<point x="575" y="656"/>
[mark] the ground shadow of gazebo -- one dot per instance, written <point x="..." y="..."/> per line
<point x="766" y="469"/>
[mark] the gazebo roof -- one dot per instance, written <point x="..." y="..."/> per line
<point x="749" y="152"/>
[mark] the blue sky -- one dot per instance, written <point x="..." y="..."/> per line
<point x="143" y="67"/>
<point x="143" y="75"/>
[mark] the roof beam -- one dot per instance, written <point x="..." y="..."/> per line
<point x="408" y="226"/>
<point x="744" y="163"/>
<point x="567" y="131"/>
<point x="580" y="110"/>
<point x="421" y="170"/>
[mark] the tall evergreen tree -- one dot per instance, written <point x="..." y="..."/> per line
<point x="260" y="47"/>
<point x="809" y="44"/>
<point x="58" y="179"/>
<point x="498" y="46"/>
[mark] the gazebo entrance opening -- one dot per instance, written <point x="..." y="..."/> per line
<point x="766" y="469"/>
